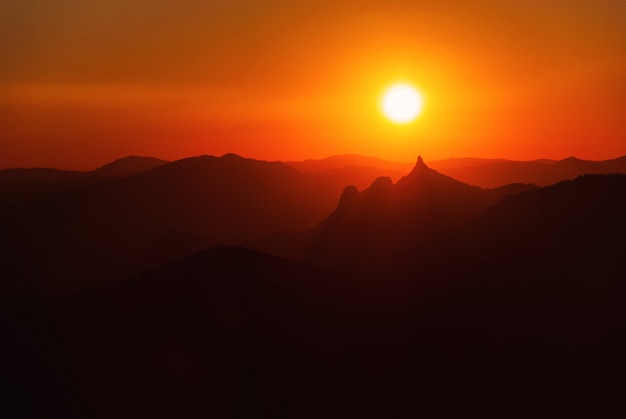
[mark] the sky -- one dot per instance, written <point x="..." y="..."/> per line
<point x="83" y="82"/>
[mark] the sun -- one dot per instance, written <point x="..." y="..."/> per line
<point x="402" y="103"/>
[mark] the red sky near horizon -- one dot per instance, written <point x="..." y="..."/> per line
<point x="85" y="82"/>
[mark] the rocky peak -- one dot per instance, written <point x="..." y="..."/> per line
<point x="349" y="197"/>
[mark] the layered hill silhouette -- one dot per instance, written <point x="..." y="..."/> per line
<point x="137" y="213"/>
<point x="356" y="170"/>
<point x="387" y="217"/>
<point x="18" y="186"/>
<point x="128" y="166"/>
<point x="122" y="167"/>
<point x="486" y="173"/>
<point x="493" y="173"/>
<point x="114" y="226"/>
<point x="517" y="311"/>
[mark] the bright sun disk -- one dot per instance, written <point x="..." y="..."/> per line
<point x="402" y="103"/>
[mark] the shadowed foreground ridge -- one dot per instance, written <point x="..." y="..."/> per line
<point x="493" y="303"/>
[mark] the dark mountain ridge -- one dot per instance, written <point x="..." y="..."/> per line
<point x="520" y="311"/>
<point x="127" y="224"/>
<point x="497" y="172"/>
<point x="486" y="173"/>
<point x="349" y="160"/>
<point x="21" y="186"/>
<point x="386" y="217"/>
<point x="124" y="166"/>
<point x="491" y="305"/>
<point x="127" y="166"/>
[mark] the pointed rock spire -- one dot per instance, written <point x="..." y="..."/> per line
<point x="349" y="198"/>
<point x="419" y="173"/>
<point x="420" y="167"/>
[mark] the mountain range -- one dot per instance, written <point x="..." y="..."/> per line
<point x="497" y="172"/>
<point x="230" y="287"/>
<point x="486" y="173"/>
<point x="360" y="170"/>
<point x="116" y="226"/>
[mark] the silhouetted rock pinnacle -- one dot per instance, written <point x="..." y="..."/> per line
<point x="349" y="199"/>
<point x="420" y="170"/>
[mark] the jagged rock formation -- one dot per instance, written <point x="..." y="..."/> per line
<point x="386" y="217"/>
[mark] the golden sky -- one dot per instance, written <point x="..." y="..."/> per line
<point x="83" y="82"/>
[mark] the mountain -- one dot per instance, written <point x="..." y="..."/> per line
<point x="352" y="169"/>
<point x="20" y="175"/>
<point x="349" y="160"/>
<point x="497" y="172"/>
<point x="486" y="173"/>
<point x="386" y="217"/>
<point x="125" y="225"/>
<point x="227" y="332"/>
<point x="127" y="166"/>
<point x="20" y="186"/>
<point x="517" y="312"/>
<point x="528" y="298"/>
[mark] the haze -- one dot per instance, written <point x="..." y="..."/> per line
<point x="83" y="83"/>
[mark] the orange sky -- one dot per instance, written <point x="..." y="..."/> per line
<point x="86" y="82"/>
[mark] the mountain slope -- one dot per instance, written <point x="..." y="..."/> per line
<point x="387" y="217"/>
<point x="519" y="312"/>
<point x="20" y="186"/>
<point x="494" y="173"/>
<point x="528" y="297"/>
<point x="127" y="166"/>
<point x="128" y="224"/>
<point x="349" y="160"/>
<point x="227" y="332"/>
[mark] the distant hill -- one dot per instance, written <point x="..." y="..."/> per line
<point x="493" y="173"/>
<point x="19" y="186"/>
<point x="349" y="160"/>
<point x="125" y="166"/>
<point x="27" y="185"/>
<point x="36" y="175"/>
<point x="124" y="225"/>
<point x="128" y="166"/>
<point x="353" y="169"/>
<point x="486" y="173"/>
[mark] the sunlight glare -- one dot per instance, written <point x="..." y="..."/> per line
<point x="402" y="103"/>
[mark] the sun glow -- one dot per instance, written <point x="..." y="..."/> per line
<point x="402" y="103"/>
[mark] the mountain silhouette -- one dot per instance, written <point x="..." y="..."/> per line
<point x="19" y="186"/>
<point x="534" y="277"/>
<point x="122" y="167"/>
<point x="493" y="173"/>
<point x="216" y="334"/>
<point x="20" y="175"/>
<point x="486" y="173"/>
<point x="119" y="226"/>
<point x="520" y="310"/>
<point x="387" y="217"/>
<point x="127" y="166"/>
<point x="350" y="160"/>
<point x="443" y="299"/>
